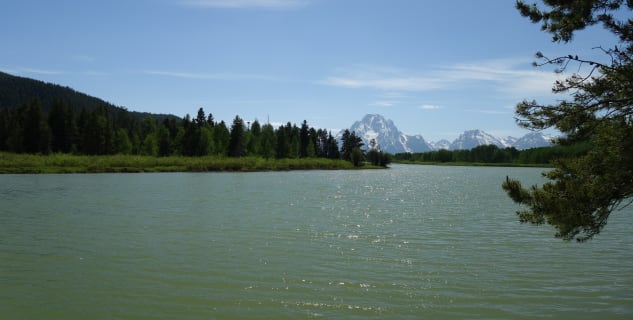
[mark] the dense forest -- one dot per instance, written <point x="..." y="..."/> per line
<point x="39" y="117"/>
<point x="494" y="154"/>
<point x="27" y="129"/>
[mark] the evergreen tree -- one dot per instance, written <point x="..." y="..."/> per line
<point x="304" y="139"/>
<point x="201" y="119"/>
<point x="5" y="120"/>
<point x="190" y="138"/>
<point x="62" y="125"/>
<point x="221" y="138"/>
<point x="35" y="134"/>
<point x="583" y="191"/>
<point x="164" y="141"/>
<point x="122" y="142"/>
<point x="350" y="142"/>
<point x="150" y="145"/>
<point x="283" y="142"/>
<point x="255" y="140"/>
<point x="98" y="135"/>
<point x="205" y="143"/>
<point x="236" y="143"/>
<point x="332" y="147"/>
<point x="82" y="127"/>
<point x="268" y="141"/>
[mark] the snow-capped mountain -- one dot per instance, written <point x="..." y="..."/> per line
<point x="473" y="138"/>
<point x="387" y="135"/>
<point x="391" y="140"/>
<point x="508" y="141"/>
<point x="532" y="140"/>
<point x="442" y="144"/>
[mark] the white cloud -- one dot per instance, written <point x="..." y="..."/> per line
<point x="383" y="103"/>
<point x="429" y="107"/>
<point x="239" y="4"/>
<point x="40" y="71"/>
<point x="506" y="76"/>
<point x="382" y="78"/>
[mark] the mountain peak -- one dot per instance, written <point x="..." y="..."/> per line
<point x="387" y="135"/>
<point x="391" y="140"/>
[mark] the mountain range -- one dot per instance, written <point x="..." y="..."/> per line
<point x="392" y="140"/>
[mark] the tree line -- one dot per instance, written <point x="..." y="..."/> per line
<point x="28" y="129"/>
<point x="494" y="154"/>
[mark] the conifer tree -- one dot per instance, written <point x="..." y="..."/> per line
<point x="236" y="143"/>
<point x="583" y="191"/>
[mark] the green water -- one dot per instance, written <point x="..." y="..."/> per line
<point x="411" y="242"/>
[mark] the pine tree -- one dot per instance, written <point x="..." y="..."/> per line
<point x="584" y="190"/>
<point x="236" y="143"/>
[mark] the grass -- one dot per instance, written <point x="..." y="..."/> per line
<point x="68" y="163"/>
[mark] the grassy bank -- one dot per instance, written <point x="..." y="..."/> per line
<point x="474" y="164"/>
<point x="67" y="163"/>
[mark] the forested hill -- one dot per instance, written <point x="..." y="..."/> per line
<point x="16" y="91"/>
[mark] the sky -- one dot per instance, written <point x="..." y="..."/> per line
<point x="436" y="68"/>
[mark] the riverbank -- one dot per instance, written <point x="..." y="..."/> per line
<point x="68" y="163"/>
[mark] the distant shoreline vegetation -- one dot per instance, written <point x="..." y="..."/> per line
<point x="491" y="155"/>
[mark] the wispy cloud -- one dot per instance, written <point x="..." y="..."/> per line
<point x="382" y="78"/>
<point x="429" y="107"/>
<point x="38" y="71"/>
<point x="510" y="76"/>
<point x="209" y="76"/>
<point x="241" y="4"/>
<point x="383" y="103"/>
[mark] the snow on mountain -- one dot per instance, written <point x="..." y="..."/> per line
<point x="391" y="140"/>
<point x="508" y="141"/>
<point x="387" y="135"/>
<point x="532" y="140"/>
<point x="442" y="144"/>
<point x="473" y="138"/>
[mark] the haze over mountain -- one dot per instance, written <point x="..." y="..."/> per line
<point x="392" y="140"/>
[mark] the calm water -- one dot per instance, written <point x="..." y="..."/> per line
<point x="411" y="242"/>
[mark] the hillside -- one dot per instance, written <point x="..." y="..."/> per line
<point x="16" y="91"/>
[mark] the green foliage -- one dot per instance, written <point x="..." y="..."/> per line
<point x="492" y="154"/>
<point x="72" y="122"/>
<point x="236" y="143"/>
<point x="350" y="142"/>
<point x="583" y="190"/>
<point x="122" y="142"/>
<point x="68" y="163"/>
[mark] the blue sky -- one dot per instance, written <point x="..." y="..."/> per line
<point x="435" y="68"/>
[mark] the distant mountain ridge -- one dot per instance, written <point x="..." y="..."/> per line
<point x="16" y="91"/>
<point x="392" y="140"/>
<point x="387" y="136"/>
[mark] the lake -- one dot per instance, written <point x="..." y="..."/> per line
<point x="410" y="242"/>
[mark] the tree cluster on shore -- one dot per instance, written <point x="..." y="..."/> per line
<point x="101" y="132"/>
<point x="494" y="154"/>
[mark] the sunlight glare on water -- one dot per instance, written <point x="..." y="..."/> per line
<point x="405" y="243"/>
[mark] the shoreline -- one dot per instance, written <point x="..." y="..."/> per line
<point x="11" y="163"/>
